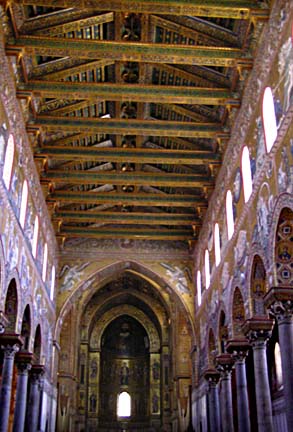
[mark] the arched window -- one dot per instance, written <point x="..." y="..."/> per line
<point x="246" y="174"/>
<point x="217" y="245"/>
<point x="124" y="405"/>
<point x="229" y="214"/>
<point x="207" y="268"/>
<point x="45" y="260"/>
<point x="23" y="204"/>
<point x="269" y="119"/>
<point x="8" y="162"/>
<point x="198" y="285"/>
<point x="278" y="366"/>
<point x="52" y="283"/>
<point x="35" y="237"/>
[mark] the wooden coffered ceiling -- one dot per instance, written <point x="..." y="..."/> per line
<point x="129" y="107"/>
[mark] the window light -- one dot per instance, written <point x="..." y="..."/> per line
<point x="217" y="245"/>
<point x="8" y="162"/>
<point x="229" y="214"/>
<point x="124" y="405"/>
<point x="269" y="119"/>
<point x="207" y="268"/>
<point x="23" y="205"/>
<point x="198" y="285"/>
<point x="35" y="237"/>
<point x="246" y="174"/>
<point x="45" y="260"/>
<point x="52" y="283"/>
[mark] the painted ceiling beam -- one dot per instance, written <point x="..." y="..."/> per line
<point x="125" y="218"/>
<point x="236" y="9"/>
<point x="121" y="233"/>
<point x="66" y="71"/>
<point x="131" y="92"/>
<point x="126" y="126"/>
<point x="126" y="51"/>
<point x="126" y="178"/>
<point x="140" y="199"/>
<point x="76" y="25"/>
<point x="120" y="154"/>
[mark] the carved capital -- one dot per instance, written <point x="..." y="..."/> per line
<point x="258" y="330"/>
<point x="212" y="376"/>
<point x="10" y="350"/>
<point x="224" y="364"/>
<point x="36" y="373"/>
<point x="10" y="344"/>
<point x="279" y="301"/>
<point x="238" y="348"/>
<point x="23" y="361"/>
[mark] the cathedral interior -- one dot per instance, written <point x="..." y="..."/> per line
<point x="146" y="222"/>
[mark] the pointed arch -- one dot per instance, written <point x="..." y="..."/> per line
<point x="223" y="331"/>
<point x="108" y="273"/>
<point x="238" y="313"/>
<point x="26" y="328"/>
<point x="38" y="344"/>
<point x="11" y="306"/>
<point x="212" y="349"/>
<point x="258" y="285"/>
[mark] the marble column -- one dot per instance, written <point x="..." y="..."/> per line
<point x="33" y="409"/>
<point x="238" y="348"/>
<point x="279" y="300"/>
<point x="259" y="330"/>
<point x="212" y="377"/>
<point x="23" y="361"/>
<point x="224" y="367"/>
<point x="10" y="344"/>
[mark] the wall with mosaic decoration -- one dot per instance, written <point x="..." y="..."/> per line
<point x="259" y="254"/>
<point x="16" y="258"/>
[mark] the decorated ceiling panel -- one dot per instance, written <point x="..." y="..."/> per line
<point x="129" y="107"/>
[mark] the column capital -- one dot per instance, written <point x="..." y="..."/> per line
<point x="23" y="360"/>
<point x="212" y="376"/>
<point x="279" y="301"/>
<point x="238" y="348"/>
<point x="37" y="372"/>
<point x="258" y="330"/>
<point x="10" y="344"/>
<point x="3" y="322"/>
<point x="224" y="364"/>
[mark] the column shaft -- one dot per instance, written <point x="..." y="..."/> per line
<point x="286" y="345"/>
<point x="21" y="397"/>
<point x="242" y="398"/>
<point x="262" y="388"/>
<point x="33" y="405"/>
<point x="226" y="403"/>
<point x="5" y="392"/>
<point x="214" y="408"/>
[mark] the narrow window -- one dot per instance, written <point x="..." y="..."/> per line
<point x="198" y="285"/>
<point x="217" y="245"/>
<point x="246" y="174"/>
<point x="35" y="237"/>
<point x="207" y="268"/>
<point x="45" y="259"/>
<point x="8" y="162"/>
<point x="278" y="366"/>
<point x="229" y="214"/>
<point x="52" y="283"/>
<point x="269" y="119"/>
<point x="124" y="405"/>
<point x="23" y="204"/>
